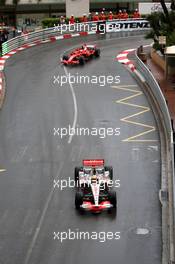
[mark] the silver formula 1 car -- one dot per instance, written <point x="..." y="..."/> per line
<point x="94" y="192"/>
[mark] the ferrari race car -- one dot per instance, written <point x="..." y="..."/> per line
<point x="80" y="55"/>
<point x="94" y="192"/>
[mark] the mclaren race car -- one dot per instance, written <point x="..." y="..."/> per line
<point x="94" y="191"/>
<point x="81" y="55"/>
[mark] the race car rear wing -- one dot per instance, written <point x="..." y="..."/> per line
<point x="94" y="162"/>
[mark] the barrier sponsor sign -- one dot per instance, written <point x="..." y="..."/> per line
<point x="116" y="26"/>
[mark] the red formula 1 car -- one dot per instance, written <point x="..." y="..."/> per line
<point x="80" y="55"/>
<point x="93" y="181"/>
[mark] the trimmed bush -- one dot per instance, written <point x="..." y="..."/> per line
<point x="50" y="22"/>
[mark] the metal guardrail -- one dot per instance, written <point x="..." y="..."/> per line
<point x="28" y="38"/>
<point x="42" y="35"/>
<point x="169" y="152"/>
<point x="157" y="93"/>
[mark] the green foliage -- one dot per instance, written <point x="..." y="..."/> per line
<point x="2" y="2"/>
<point x="50" y="22"/>
<point x="171" y="39"/>
<point x="15" y="2"/>
<point x="161" y="26"/>
<point x="144" y="16"/>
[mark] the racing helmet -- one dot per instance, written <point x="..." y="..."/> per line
<point x="84" y="46"/>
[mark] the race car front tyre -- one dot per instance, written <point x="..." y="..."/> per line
<point x="81" y="60"/>
<point x="113" y="198"/>
<point x="110" y="169"/>
<point x="65" y="57"/>
<point x="76" y="173"/>
<point x="97" y="53"/>
<point x="78" y="200"/>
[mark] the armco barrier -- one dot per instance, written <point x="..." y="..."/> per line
<point x="167" y="177"/>
<point x="58" y="31"/>
<point x="141" y="67"/>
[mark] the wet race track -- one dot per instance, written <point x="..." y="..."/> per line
<point x="32" y="156"/>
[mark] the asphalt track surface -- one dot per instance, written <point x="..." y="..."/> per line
<point x="31" y="157"/>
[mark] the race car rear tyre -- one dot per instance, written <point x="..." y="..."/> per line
<point x="97" y="53"/>
<point x="81" y="60"/>
<point x="76" y="174"/>
<point x="113" y="198"/>
<point x="65" y="57"/>
<point x="112" y="211"/>
<point x="110" y="169"/>
<point x="78" y="200"/>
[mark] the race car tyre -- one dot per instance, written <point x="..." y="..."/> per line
<point x="112" y="211"/>
<point x="76" y="174"/>
<point x="97" y="53"/>
<point x="113" y="198"/>
<point x="81" y="60"/>
<point x="78" y="200"/>
<point x="65" y="57"/>
<point x="110" y="169"/>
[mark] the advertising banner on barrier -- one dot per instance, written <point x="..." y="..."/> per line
<point x="116" y="26"/>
